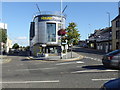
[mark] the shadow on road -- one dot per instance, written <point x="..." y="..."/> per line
<point x="26" y="60"/>
<point x="98" y="67"/>
<point x="32" y="59"/>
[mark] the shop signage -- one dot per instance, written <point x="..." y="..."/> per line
<point x="49" y="18"/>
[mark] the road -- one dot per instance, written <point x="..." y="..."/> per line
<point x="85" y="73"/>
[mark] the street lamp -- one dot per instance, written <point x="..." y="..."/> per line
<point x="71" y="46"/>
<point x="108" y="19"/>
<point x="109" y="31"/>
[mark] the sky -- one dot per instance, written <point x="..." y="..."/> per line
<point x="88" y="16"/>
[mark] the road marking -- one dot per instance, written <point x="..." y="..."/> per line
<point x="102" y="79"/>
<point x="53" y="81"/>
<point x="79" y="62"/>
<point x="69" y="63"/>
<point x="36" y="69"/>
<point x="86" y="71"/>
<point x="64" y="63"/>
<point x="96" y="59"/>
<point x="48" y="68"/>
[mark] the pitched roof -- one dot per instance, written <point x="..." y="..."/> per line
<point x="116" y="18"/>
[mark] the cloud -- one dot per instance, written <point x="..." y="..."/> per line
<point x="21" y="38"/>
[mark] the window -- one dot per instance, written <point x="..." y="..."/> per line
<point x="32" y="30"/>
<point x="51" y="32"/>
<point x="118" y="34"/>
<point x="117" y="23"/>
<point x="117" y="45"/>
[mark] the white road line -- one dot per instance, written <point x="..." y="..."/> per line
<point x="64" y="63"/>
<point x="48" y="68"/>
<point x="53" y="81"/>
<point x="85" y="71"/>
<point x="102" y="79"/>
<point x="69" y="63"/>
<point x="96" y="59"/>
<point x="36" y="69"/>
<point x="79" y="62"/>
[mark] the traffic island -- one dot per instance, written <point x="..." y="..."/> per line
<point x="65" y="57"/>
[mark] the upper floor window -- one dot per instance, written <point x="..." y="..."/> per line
<point x="51" y="32"/>
<point x="117" y="23"/>
<point x="118" y="34"/>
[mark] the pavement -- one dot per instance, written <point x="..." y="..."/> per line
<point x="65" y="57"/>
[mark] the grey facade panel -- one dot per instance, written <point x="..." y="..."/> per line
<point x="41" y="33"/>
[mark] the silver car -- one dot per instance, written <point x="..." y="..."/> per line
<point x="112" y="59"/>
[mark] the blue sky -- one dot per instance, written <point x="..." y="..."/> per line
<point x="87" y="15"/>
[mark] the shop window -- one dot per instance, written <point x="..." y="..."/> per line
<point x="51" y="32"/>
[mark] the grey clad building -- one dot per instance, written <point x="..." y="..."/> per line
<point x="44" y="33"/>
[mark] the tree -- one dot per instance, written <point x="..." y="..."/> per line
<point x="3" y="35"/>
<point x="27" y="48"/>
<point x="15" y="46"/>
<point x="72" y="33"/>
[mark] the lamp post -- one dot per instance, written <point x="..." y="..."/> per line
<point x="71" y="46"/>
<point x="108" y="32"/>
<point x="108" y="19"/>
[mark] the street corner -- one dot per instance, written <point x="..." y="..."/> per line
<point x="80" y="57"/>
<point x="35" y="59"/>
<point x="29" y="58"/>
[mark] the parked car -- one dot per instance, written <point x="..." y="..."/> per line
<point x="111" y="85"/>
<point x="112" y="59"/>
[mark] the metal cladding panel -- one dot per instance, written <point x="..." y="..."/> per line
<point x="41" y="32"/>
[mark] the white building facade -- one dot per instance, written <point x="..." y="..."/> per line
<point x="44" y="33"/>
